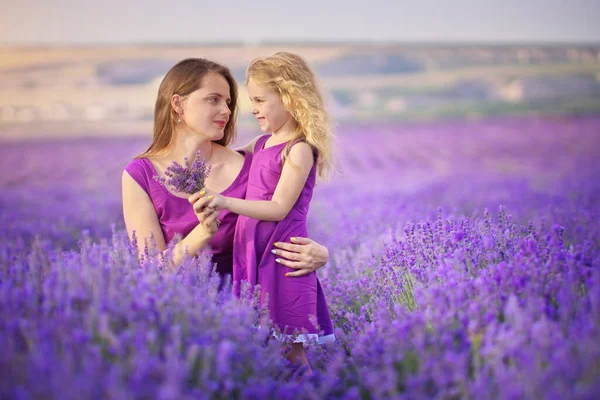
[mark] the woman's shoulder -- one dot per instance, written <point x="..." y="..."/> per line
<point x="141" y="170"/>
<point x="137" y="163"/>
<point x="230" y="156"/>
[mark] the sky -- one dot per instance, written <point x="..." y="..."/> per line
<point x="252" y="22"/>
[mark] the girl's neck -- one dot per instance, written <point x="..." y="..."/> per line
<point x="287" y="130"/>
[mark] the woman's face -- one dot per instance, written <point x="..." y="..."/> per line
<point x="206" y="110"/>
<point x="267" y="107"/>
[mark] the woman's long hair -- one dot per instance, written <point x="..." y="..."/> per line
<point x="184" y="78"/>
<point x="290" y="76"/>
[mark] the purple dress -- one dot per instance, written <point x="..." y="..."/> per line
<point x="293" y="302"/>
<point x="176" y="215"/>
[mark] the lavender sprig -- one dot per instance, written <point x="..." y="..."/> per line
<point x="188" y="178"/>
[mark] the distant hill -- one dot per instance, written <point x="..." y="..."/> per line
<point x="111" y="90"/>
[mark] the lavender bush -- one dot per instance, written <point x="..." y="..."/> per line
<point x="464" y="264"/>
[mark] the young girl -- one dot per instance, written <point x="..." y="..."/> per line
<point x="288" y="104"/>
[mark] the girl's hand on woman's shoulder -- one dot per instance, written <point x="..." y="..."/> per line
<point x="302" y="254"/>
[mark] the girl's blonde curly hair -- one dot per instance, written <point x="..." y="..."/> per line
<point x="290" y="76"/>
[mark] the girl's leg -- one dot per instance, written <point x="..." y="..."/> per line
<point x="297" y="356"/>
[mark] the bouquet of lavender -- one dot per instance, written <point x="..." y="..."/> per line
<point x="188" y="178"/>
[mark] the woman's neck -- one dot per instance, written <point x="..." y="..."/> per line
<point x="187" y="146"/>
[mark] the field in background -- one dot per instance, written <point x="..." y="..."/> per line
<point x="74" y="184"/>
<point x="107" y="91"/>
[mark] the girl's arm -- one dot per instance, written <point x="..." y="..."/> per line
<point x="291" y="182"/>
<point x="140" y="217"/>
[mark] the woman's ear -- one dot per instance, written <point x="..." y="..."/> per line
<point x="177" y="104"/>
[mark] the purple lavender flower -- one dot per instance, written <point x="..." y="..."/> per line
<point x="425" y="303"/>
<point x="188" y="178"/>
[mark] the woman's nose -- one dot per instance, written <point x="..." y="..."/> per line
<point x="227" y="109"/>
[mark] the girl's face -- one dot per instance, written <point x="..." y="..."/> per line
<point x="206" y="110"/>
<point x="267" y="107"/>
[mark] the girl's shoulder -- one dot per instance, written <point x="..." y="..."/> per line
<point x="301" y="150"/>
<point x="303" y="147"/>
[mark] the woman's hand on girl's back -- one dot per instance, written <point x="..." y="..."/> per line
<point x="303" y="254"/>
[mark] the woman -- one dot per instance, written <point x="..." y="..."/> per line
<point x="196" y="111"/>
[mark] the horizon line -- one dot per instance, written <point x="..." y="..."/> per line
<point x="313" y="43"/>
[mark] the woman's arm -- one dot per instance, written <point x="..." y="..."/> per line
<point x="303" y="254"/>
<point x="140" y="217"/>
<point x="250" y="146"/>
<point x="291" y="182"/>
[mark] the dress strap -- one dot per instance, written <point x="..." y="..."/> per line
<point x="260" y="143"/>
<point x="139" y="170"/>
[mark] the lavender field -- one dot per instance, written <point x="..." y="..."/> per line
<point x="464" y="263"/>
